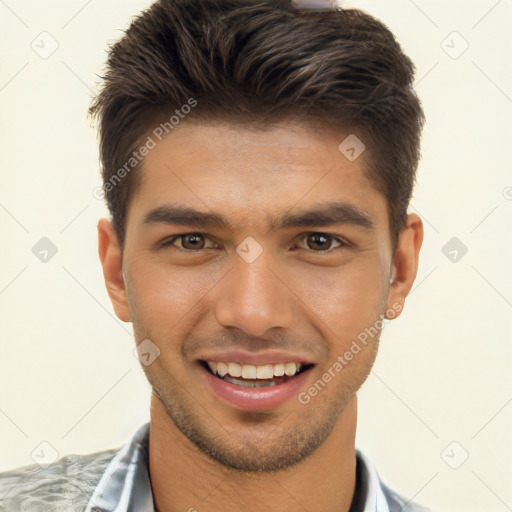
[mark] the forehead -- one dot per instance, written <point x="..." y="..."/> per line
<point x="216" y="147"/>
<point x="217" y="165"/>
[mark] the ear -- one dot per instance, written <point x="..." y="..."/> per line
<point x="405" y="263"/>
<point x="111" y="258"/>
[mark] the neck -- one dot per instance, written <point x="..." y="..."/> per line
<point x="185" y="479"/>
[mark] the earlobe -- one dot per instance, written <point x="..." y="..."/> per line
<point x="405" y="263"/>
<point x="111" y="259"/>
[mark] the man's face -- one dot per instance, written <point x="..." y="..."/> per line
<point x="274" y="284"/>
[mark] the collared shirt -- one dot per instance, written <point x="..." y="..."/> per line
<point x="118" y="481"/>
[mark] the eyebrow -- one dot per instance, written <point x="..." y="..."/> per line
<point x="322" y="215"/>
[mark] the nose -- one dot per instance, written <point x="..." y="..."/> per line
<point x="254" y="297"/>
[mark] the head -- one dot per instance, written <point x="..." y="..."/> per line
<point x="282" y="144"/>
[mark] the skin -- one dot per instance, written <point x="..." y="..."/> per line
<point x="204" y="452"/>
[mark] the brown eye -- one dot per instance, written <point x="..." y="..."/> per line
<point x="192" y="241"/>
<point x="189" y="242"/>
<point x="321" y="242"/>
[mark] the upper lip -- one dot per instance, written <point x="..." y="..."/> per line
<point x="257" y="359"/>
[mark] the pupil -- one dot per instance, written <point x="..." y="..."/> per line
<point x="319" y="240"/>
<point x="194" y="240"/>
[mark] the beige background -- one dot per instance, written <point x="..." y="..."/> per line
<point x="67" y="372"/>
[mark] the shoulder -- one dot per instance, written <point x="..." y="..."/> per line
<point x="398" y="503"/>
<point x="66" y="484"/>
<point x="378" y="493"/>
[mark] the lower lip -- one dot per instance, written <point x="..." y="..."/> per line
<point x="256" y="399"/>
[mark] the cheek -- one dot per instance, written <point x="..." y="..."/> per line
<point x="343" y="302"/>
<point x="164" y="297"/>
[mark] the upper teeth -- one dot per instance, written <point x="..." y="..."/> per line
<point x="250" y="371"/>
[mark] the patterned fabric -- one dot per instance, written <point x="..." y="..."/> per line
<point x="118" y="481"/>
<point x="64" y="486"/>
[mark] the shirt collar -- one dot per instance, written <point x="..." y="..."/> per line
<point x="375" y="499"/>
<point x="125" y="484"/>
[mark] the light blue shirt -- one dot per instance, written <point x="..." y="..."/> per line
<point x="118" y="481"/>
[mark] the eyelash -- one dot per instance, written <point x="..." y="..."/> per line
<point x="170" y="241"/>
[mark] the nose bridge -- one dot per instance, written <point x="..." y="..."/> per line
<point x="252" y="298"/>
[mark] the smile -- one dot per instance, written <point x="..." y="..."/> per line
<point x="255" y="387"/>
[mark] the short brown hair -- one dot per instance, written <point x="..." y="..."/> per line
<point x="261" y="62"/>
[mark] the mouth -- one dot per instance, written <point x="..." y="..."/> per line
<point x="253" y="387"/>
<point x="255" y="376"/>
